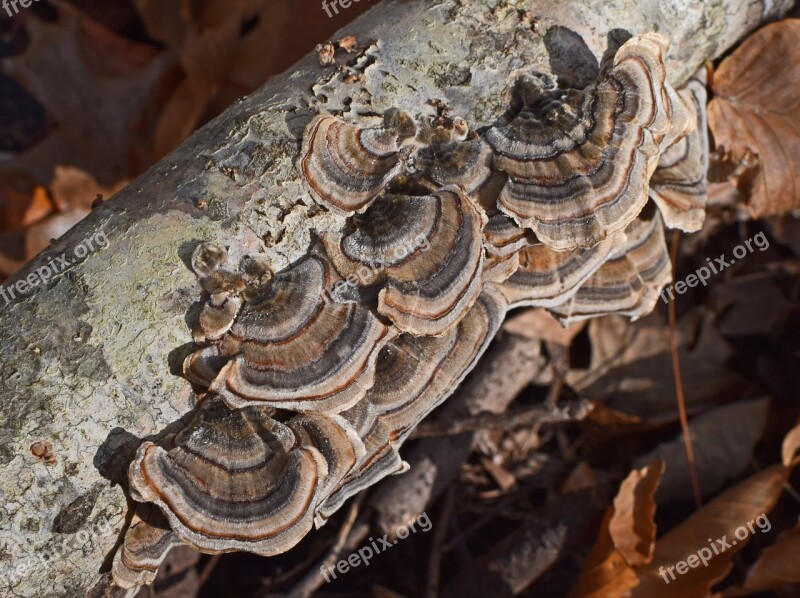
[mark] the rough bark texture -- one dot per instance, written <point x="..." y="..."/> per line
<point x="91" y="360"/>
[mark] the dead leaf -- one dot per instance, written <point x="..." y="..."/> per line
<point x="631" y="365"/>
<point x="632" y="526"/>
<point x="580" y="478"/>
<point x="720" y="519"/>
<point x="539" y="324"/>
<point x="93" y="84"/>
<point x="791" y="445"/>
<point x="723" y="441"/>
<point x="778" y="565"/>
<point x="605" y="572"/>
<point x="755" y="117"/>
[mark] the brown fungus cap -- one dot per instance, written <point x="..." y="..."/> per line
<point x="579" y="162"/>
<point x="546" y="278"/>
<point x="294" y="348"/>
<point x="679" y="185"/>
<point x="424" y="252"/>
<point x="629" y="282"/>
<point x="145" y="547"/>
<point x="240" y="480"/>
<point x="345" y="166"/>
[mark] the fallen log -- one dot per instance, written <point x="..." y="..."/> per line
<point x="94" y="330"/>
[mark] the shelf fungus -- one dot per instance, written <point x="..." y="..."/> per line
<point x="423" y="253"/>
<point x="292" y="347"/>
<point x="313" y="377"/>
<point x="547" y="278"/>
<point x="467" y="164"/>
<point x="629" y="282"/>
<point x="237" y="479"/>
<point x="579" y="162"/>
<point x="414" y="376"/>
<point x="679" y="184"/>
<point x="147" y="542"/>
<point x="346" y="166"/>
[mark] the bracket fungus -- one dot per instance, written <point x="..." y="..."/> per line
<point x="346" y="166"/>
<point x="313" y="378"/>
<point x="629" y="282"/>
<point x="237" y="479"/>
<point x="428" y="251"/>
<point x="579" y="162"/>
<point x="679" y="184"/>
<point x="291" y="347"/>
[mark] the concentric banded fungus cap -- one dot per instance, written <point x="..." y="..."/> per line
<point x="447" y="363"/>
<point x="145" y="547"/>
<point x="579" y="162"/>
<point x="546" y="278"/>
<point x="424" y="251"/>
<point x="240" y="480"/>
<point x="502" y="236"/>
<point x="464" y="163"/>
<point x="500" y="269"/>
<point x="345" y="166"/>
<point x="295" y="349"/>
<point x="381" y="459"/>
<point x="630" y="281"/>
<point x="679" y="184"/>
<point x="204" y="365"/>
<point x="414" y="375"/>
<point x="217" y="316"/>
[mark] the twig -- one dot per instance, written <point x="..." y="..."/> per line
<point x="536" y="414"/>
<point x="435" y="563"/>
<point x="206" y="572"/>
<point x="676" y="369"/>
<point x="314" y="579"/>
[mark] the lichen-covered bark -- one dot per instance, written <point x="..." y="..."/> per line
<point x="91" y="359"/>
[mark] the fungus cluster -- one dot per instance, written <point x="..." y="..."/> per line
<point x="314" y="376"/>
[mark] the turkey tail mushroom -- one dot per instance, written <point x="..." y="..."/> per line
<point x="414" y="376"/>
<point x="315" y="377"/>
<point x="679" y="184"/>
<point x="579" y="162"/>
<point x="345" y="166"/>
<point x="629" y="282"/>
<point x="424" y="252"/>
<point x="240" y="480"/>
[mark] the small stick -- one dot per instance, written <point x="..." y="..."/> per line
<point x="314" y="579"/>
<point x="676" y="370"/>
<point x="435" y="563"/>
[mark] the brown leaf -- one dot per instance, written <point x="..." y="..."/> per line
<point x="791" y="445"/>
<point x="580" y="478"/>
<point x="632" y="528"/>
<point x="539" y="324"/>
<point x="627" y="537"/>
<point x="631" y="364"/>
<point x="720" y="519"/>
<point x="755" y="118"/>
<point x="605" y="572"/>
<point x="723" y="441"/>
<point x="778" y="565"/>
<point x="93" y="84"/>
